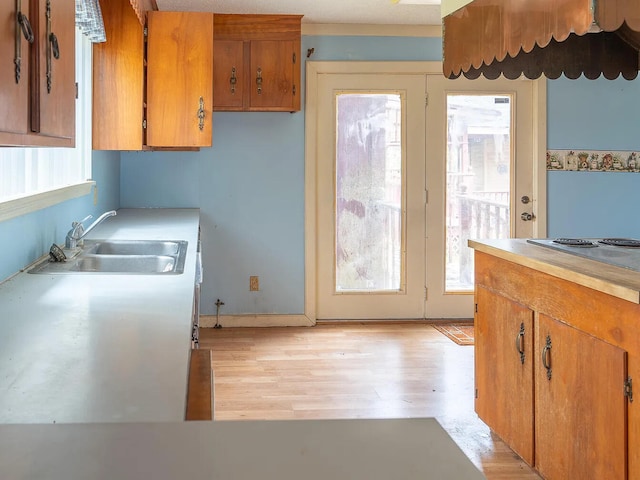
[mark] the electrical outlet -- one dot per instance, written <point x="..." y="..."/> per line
<point x="254" y="283"/>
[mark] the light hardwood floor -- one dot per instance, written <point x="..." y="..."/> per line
<point x="356" y="370"/>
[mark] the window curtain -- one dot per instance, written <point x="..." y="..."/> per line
<point x="89" y="19"/>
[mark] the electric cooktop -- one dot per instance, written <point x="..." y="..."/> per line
<point x="620" y="252"/>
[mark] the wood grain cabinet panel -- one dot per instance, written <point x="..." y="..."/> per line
<point x="118" y="80"/>
<point x="257" y="62"/>
<point x="38" y="108"/>
<point x="504" y="370"/>
<point x="573" y="388"/>
<point x="228" y="74"/>
<point x="179" y="79"/>
<point x="580" y="406"/>
<point x="166" y="96"/>
<point x="14" y="94"/>
<point x="56" y="75"/>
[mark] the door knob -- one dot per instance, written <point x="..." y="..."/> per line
<point x="526" y="216"/>
<point x="525" y="199"/>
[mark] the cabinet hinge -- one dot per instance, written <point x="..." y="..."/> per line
<point x="476" y="393"/>
<point x="425" y="292"/>
<point x="628" y="389"/>
<point x="144" y="123"/>
<point x="426" y="99"/>
<point x="426" y="197"/>
<point x="294" y="89"/>
<point x="77" y="90"/>
<point x="294" y="57"/>
<point x="476" y="308"/>
<point x="145" y="32"/>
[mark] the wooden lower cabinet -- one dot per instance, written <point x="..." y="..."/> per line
<point x="504" y="370"/>
<point x="580" y="414"/>
<point x="551" y="366"/>
<point x="200" y="389"/>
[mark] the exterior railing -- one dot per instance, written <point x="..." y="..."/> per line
<point x="476" y="215"/>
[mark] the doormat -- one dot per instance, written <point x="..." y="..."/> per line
<point x="462" y="334"/>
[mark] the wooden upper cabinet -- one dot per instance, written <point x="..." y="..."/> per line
<point x="228" y="74"/>
<point x="179" y="73"/>
<point x="37" y="100"/>
<point x="257" y="62"/>
<point x="55" y="76"/>
<point x="14" y="85"/>
<point x="118" y="80"/>
<point x="179" y="79"/>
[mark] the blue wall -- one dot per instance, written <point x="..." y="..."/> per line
<point x="250" y="189"/>
<point x="26" y="238"/>
<point x="593" y="115"/>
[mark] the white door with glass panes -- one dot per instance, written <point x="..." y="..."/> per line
<point x="402" y="183"/>
<point x="480" y="168"/>
<point x="370" y="196"/>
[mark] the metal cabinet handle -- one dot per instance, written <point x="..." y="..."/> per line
<point x="22" y="25"/>
<point x="201" y="114"/>
<point x="546" y="357"/>
<point x="259" y="80"/>
<point x="25" y="26"/>
<point x="233" y="80"/>
<point x="526" y="216"/>
<point x="53" y="49"/>
<point x="520" y="343"/>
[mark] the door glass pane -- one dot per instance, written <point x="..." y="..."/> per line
<point x="478" y="167"/>
<point x="369" y="193"/>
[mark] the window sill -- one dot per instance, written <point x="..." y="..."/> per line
<point x="16" y="207"/>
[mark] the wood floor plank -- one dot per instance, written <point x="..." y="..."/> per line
<point x="356" y="370"/>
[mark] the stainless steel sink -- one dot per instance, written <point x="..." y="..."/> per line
<point x="134" y="247"/>
<point x="125" y="264"/>
<point x="142" y="257"/>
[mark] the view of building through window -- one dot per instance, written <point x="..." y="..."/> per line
<point x="478" y="178"/>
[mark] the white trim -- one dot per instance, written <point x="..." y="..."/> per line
<point x="540" y="150"/>
<point x="209" y="321"/>
<point x="364" y="30"/>
<point x="37" y="201"/>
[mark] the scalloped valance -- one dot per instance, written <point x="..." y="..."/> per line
<point x="543" y="37"/>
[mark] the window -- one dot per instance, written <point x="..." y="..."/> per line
<point x="35" y="178"/>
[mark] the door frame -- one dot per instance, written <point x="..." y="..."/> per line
<point x="316" y="68"/>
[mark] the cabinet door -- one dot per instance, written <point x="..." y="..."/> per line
<point x="272" y="76"/>
<point x="228" y="74"/>
<point x="56" y="84"/>
<point x="504" y="370"/>
<point x="179" y="79"/>
<point x="580" y="404"/>
<point x="118" y="80"/>
<point x="14" y="94"/>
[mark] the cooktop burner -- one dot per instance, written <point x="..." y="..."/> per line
<point x="621" y="252"/>
<point x="574" y="242"/>
<point x="621" y="242"/>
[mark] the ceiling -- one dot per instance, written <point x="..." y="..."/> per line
<point x="375" y="12"/>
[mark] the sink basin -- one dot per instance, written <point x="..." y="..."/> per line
<point x="142" y="257"/>
<point x="125" y="264"/>
<point x="134" y="247"/>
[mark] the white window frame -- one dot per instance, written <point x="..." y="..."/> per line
<point x="53" y="194"/>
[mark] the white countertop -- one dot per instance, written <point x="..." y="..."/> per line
<point x="100" y="347"/>
<point x="404" y="449"/>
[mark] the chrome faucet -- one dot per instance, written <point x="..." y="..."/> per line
<point x="77" y="232"/>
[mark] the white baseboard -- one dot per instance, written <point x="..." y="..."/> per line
<point x="209" y="321"/>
